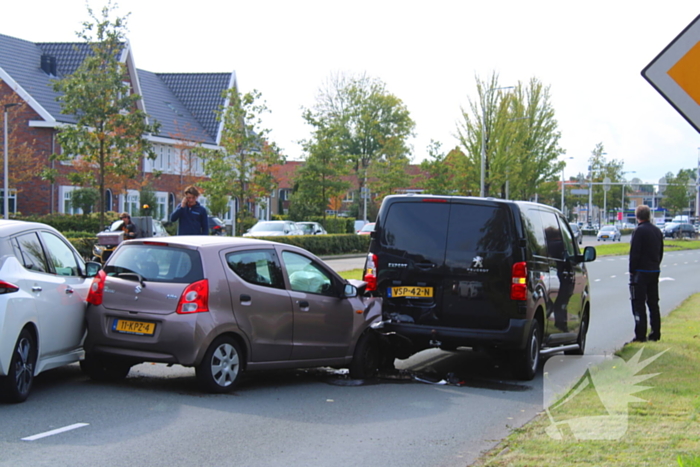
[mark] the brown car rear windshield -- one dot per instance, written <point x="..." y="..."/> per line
<point x="156" y="263"/>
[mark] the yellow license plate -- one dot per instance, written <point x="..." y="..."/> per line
<point x="410" y="292"/>
<point x="134" y="327"/>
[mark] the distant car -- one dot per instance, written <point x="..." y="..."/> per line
<point x="273" y="229"/>
<point x="216" y="226"/>
<point x="609" y="232"/>
<point x="311" y="228"/>
<point x="224" y="306"/>
<point x="43" y="287"/>
<point x="679" y="230"/>
<point x="578" y="234"/>
<point x="367" y="229"/>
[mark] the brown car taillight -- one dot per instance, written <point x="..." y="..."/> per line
<point x="370" y="275"/>
<point x="518" y="286"/>
<point x="195" y="298"/>
<point x="6" y="287"/>
<point x="97" y="288"/>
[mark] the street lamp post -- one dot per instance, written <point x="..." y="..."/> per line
<point x="622" y="206"/>
<point x="483" y="136"/>
<point x="5" y="194"/>
<point x="563" y="187"/>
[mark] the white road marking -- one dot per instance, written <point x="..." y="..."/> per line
<point x="597" y="280"/>
<point x="613" y="277"/>
<point x="55" y="432"/>
<point x="661" y="279"/>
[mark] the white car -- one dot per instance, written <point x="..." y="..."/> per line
<point x="273" y="229"/>
<point x="609" y="232"/>
<point x="43" y="290"/>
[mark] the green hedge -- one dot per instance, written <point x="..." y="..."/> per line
<point x="72" y="223"/>
<point x="332" y="244"/>
<point x="320" y="245"/>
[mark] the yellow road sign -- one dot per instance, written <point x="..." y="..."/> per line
<point x="675" y="73"/>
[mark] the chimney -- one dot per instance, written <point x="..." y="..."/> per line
<point x="48" y="64"/>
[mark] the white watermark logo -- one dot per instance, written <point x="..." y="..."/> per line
<point x="613" y="381"/>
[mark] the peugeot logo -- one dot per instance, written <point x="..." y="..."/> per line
<point x="478" y="262"/>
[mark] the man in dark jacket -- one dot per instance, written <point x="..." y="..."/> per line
<point x="646" y="253"/>
<point x="192" y="217"/>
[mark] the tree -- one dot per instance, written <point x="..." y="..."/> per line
<point x="678" y="190"/>
<point x="521" y="139"/>
<point x="445" y="172"/>
<point x="85" y="199"/>
<point x="243" y="169"/>
<point x="319" y="180"/>
<point x="109" y="136"/>
<point x="362" y="121"/>
<point x="147" y="200"/>
<point x="599" y="169"/>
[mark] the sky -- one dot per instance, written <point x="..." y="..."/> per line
<point x="428" y="54"/>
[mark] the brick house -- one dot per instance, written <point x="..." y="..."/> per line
<point x="185" y="105"/>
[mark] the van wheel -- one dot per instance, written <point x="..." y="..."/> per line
<point x="524" y="362"/>
<point x="18" y="382"/>
<point x="221" y="367"/>
<point x="104" y="369"/>
<point x="366" y="359"/>
<point x="581" y="340"/>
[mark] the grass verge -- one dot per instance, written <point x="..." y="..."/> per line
<point x="663" y="430"/>
<point x="615" y="249"/>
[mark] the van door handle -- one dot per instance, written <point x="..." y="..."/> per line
<point x="425" y="265"/>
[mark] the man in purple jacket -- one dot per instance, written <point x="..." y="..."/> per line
<point x="646" y="253"/>
<point x="192" y="217"/>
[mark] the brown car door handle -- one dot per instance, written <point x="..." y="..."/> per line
<point x="245" y="298"/>
<point x="303" y="304"/>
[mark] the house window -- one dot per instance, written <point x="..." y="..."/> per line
<point x="11" y="201"/>
<point x="349" y="197"/>
<point x="161" y="206"/>
<point x="66" y="206"/>
<point x="131" y="203"/>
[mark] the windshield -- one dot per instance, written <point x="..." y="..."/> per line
<point x="268" y="227"/>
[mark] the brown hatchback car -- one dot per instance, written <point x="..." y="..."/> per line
<point x="224" y="305"/>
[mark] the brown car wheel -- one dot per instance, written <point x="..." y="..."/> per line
<point x="221" y="367"/>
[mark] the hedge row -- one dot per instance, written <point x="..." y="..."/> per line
<point x="320" y="245"/>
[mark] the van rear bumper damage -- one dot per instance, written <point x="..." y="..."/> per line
<point x="420" y="337"/>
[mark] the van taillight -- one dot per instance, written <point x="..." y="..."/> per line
<point x="195" y="298"/>
<point x="97" y="288"/>
<point x="370" y="275"/>
<point x="518" y="287"/>
<point x="7" y="287"/>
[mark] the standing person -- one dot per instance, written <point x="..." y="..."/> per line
<point x="192" y="217"/>
<point x="129" y="228"/>
<point x="646" y="253"/>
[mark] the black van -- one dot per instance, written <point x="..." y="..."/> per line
<point x="479" y="272"/>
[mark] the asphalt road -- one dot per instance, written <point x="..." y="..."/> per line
<point x="307" y="418"/>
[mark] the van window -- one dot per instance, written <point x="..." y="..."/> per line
<point x="552" y="232"/>
<point x="476" y="228"/>
<point x="416" y="229"/>
<point x="535" y="232"/>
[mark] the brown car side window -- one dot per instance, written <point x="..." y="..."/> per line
<point x="305" y="275"/>
<point x="259" y="267"/>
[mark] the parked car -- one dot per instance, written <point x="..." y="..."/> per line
<point x="367" y="229"/>
<point x="224" y="305"/>
<point x="578" y="234"/>
<point x="216" y="226"/>
<point x="311" y="228"/>
<point x="609" y="232"/>
<point x="43" y="290"/>
<point x="679" y="230"/>
<point x="273" y="229"/>
<point x="470" y="272"/>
